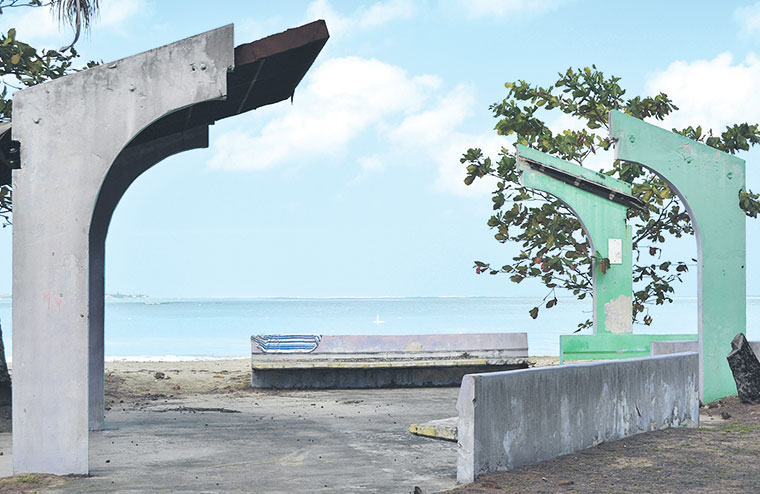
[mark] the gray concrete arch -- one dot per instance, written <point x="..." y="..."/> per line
<point x="84" y="139"/>
<point x="127" y="167"/>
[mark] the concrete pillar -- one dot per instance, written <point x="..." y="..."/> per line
<point x="71" y="131"/>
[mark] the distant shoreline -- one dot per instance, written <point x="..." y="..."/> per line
<point x="126" y="295"/>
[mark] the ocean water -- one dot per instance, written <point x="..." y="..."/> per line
<point x="223" y="327"/>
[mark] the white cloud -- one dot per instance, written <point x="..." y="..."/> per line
<point x="376" y="15"/>
<point x="434" y="135"/>
<point x="348" y="99"/>
<point x="344" y="97"/>
<point x="35" y="24"/>
<point x="712" y="93"/>
<point x="476" y="9"/>
<point x="371" y="164"/>
<point x="438" y="122"/>
<point x="451" y="172"/>
<point x="748" y="18"/>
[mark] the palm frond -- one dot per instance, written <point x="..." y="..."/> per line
<point x="79" y="14"/>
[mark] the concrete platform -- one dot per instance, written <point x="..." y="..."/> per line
<point x="380" y="361"/>
<point x="280" y="442"/>
<point x="362" y="375"/>
<point x="445" y="429"/>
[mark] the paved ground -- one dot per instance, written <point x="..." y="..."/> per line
<point x="280" y="442"/>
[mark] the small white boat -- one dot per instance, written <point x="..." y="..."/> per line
<point x="377" y="320"/>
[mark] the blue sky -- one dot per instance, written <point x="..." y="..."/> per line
<point x="356" y="189"/>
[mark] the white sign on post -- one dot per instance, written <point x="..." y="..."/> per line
<point x="615" y="250"/>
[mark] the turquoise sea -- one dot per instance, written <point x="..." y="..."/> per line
<point x="222" y="327"/>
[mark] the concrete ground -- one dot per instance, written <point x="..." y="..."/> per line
<point x="280" y="442"/>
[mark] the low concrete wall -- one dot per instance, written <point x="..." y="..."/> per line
<point x="681" y="346"/>
<point x="670" y="347"/>
<point x="377" y="377"/>
<point x="421" y="345"/>
<point x="511" y="419"/>
<point x="378" y="361"/>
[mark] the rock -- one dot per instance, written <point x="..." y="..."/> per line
<point x="159" y="375"/>
<point x="746" y="369"/>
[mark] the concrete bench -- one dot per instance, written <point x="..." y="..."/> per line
<point x="375" y="361"/>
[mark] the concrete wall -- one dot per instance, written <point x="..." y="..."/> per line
<point x="415" y="346"/>
<point x="378" y="361"/>
<point x="670" y="347"/>
<point x="373" y="377"/>
<point x="511" y="419"/>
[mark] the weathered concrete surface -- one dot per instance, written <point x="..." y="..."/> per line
<point x="84" y="139"/>
<point x="374" y="377"/>
<point x="281" y="443"/>
<point x="71" y="131"/>
<point x="670" y="347"/>
<point x="437" y="429"/>
<point x="510" y="419"/>
<point x="398" y="346"/>
<point x="376" y="361"/>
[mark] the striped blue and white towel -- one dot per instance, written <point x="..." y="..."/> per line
<point x="287" y="343"/>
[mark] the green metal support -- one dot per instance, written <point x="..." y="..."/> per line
<point x="708" y="182"/>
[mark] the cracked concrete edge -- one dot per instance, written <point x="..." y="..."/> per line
<point x="445" y="429"/>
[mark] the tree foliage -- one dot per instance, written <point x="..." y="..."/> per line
<point x="553" y="246"/>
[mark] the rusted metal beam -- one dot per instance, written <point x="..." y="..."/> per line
<point x="266" y="71"/>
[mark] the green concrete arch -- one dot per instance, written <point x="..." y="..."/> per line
<point x="604" y="222"/>
<point x="708" y="183"/>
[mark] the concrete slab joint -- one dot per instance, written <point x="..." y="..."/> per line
<point x="84" y="139"/>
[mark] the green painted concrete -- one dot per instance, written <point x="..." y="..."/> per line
<point x="602" y="220"/>
<point x="612" y="346"/>
<point x="708" y="182"/>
